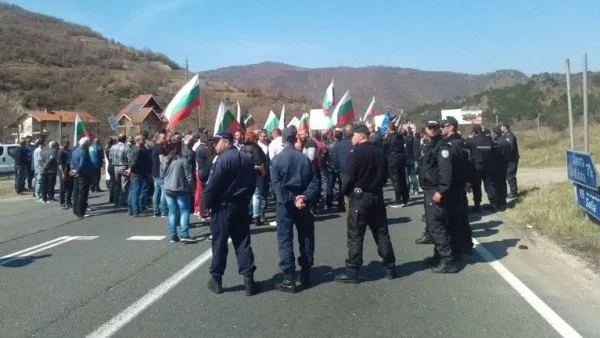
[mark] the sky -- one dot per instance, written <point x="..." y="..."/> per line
<point x="468" y="36"/>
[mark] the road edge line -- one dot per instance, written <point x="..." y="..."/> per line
<point x="560" y="325"/>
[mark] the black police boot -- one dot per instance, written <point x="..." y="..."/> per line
<point x="424" y="239"/>
<point x="347" y="277"/>
<point x="252" y="287"/>
<point x="257" y="221"/>
<point x="215" y="286"/>
<point x="445" y="267"/>
<point x="390" y="272"/>
<point x="512" y="195"/>
<point x="288" y="284"/>
<point x="304" y="278"/>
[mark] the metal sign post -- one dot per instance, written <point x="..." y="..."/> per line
<point x="586" y="127"/>
<point x="569" y="104"/>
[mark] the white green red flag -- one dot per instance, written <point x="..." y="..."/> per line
<point x="294" y="122"/>
<point x="272" y="122"/>
<point x="371" y="110"/>
<point x="186" y="99"/>
<point x="329" y="98"/>
<point x="249" y="121"/>
<point x="282" y="118"/>
<point x="239" y="112"/>
<point x="344" y="112"/>
<point x="303" y="124"/>
<point x="219" y="118"/>
<point x="229" y="123"/>
<point x="79" y="130"/>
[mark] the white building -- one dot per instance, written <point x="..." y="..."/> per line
<point x="50" y="125"/>
<point x="464" y="116"/>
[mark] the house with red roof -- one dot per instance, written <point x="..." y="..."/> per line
<point x="50" y="125"/>
<point x="143" y="113"/>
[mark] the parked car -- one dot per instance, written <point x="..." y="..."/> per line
<point x="7" y="158"/>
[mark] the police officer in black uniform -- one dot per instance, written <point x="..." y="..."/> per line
<point x="295" y="186"/>
<point x="485" y="157"/>
<point x="505" y="157"/>
<point x="363" y="179"/>
<point x="227" y="194"/>
<point x="513" y="156"/>
<point x="435" y="178"/>
<point x="457" y="204"/>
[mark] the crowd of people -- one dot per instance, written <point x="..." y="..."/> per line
<point x="231" y="180"/>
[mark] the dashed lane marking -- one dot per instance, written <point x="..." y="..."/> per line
<point x="146" y="238"/>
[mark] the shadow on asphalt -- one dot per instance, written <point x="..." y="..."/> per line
<point x="23" y="261"/>
<point x="398" y="220"/>
<point x="325" y="217"/>
<point x="262" y="229"/>
<point x="485" y="229"/>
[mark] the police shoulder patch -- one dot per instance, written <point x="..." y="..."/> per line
<point x="445" y="153"/>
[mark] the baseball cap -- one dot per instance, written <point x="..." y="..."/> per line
<point x="433" y="124"/>
<point x="289" y="133"/>
<point x="225" y="135"/>
<point x="449" y="120"/>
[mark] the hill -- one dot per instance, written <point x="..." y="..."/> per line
<point x="543" y="94"/>
<point x="48" y="63"/>
<point x="393" y="87"/>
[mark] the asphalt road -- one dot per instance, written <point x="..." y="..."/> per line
<point x="88" y="278"/>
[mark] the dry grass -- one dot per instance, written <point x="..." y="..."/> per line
<point x="7" y="192"/>
<point x="546" y="148"/>
<point x="552" y="211"/>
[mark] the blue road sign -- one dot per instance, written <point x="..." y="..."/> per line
<point x="113" y="122"/>
<point x="589" y="200"/>
<point x="581" y="169"/>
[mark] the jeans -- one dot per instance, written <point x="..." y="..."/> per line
<point x="120" y="188"/>
<point x="137" y="198"/>
<point x="411" y="176"/>
<point x="257" y="196"/>
<point x="20" y="176"/>
<point x="179" y="212"/>
<point x="325" y="178"/>
<point x="66" y="189"/>
<point x="95" y="184"/>
<point x="159" y="202"/>
<point x="287" y="216"/>
<point x="37" y="185"/>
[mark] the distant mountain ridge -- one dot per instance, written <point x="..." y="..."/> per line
<point x="394" y="87"/>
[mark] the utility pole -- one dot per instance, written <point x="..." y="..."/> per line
<point x="586" y="127"/>
<point x="538" y="121"/>
<point x="569" y="104"/>
<point x="496" y="119"/>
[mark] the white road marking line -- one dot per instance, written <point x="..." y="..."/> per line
<point x="478" y="230"/>
<point x="116" y="323"/>
<point x="559" y="324"/>
<point x="85" y="238"/>
<point x="29" y="253"/>
<point x="33" y="248"/>
<point x="146" y="238"/>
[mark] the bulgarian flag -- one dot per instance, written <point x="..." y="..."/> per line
<point x="282" y="118"/>
<point x="344" y="112"/>
<point x="219" y="118"/>
<point x="329" y="98"/>
<point x="249" y="121"/>
<point x="370" y="110"/>
<point x="229" y="123"/>
<point x="272" y="122"/>
<point x="186" y="99"/>
<point x="294" y="122"/>
<point x="79" y="130"/>
<point x="303" y="124"/>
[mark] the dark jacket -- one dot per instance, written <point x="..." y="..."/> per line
<point x="141" y="161"/>
<point x="484" y="153"/>
<point x="460" y="162"/>
<point x="292" y="175"/>
<point x="21" y="156"/>
<point x="340" y="154"/>
<point x="435" y="166"/>
<point x="367" y="169"/>
<point x="393" y="146"/>
<point x="50" y="160"/>
<point x="256" y="154"/>
<point x="513" y="147"/>
<point x="229" y="181"/>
